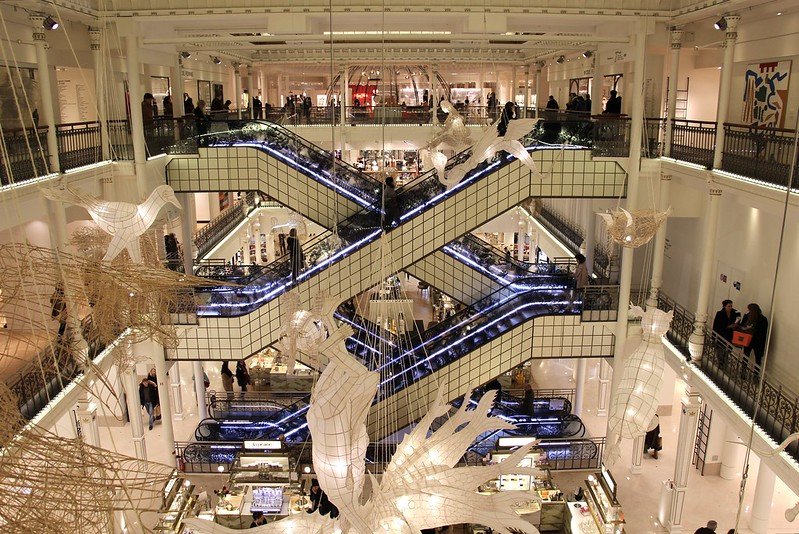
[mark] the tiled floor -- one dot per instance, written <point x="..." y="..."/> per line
<point x="709" y="497"/>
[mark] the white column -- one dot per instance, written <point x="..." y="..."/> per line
<point x="434" y="94"/>
<point x="96" y="41"/>
<point x="187" y="224"/>
<point x="199" y="390"/>
<point x="514" y="85"/>
<point x="47" y="114"/>
<point x="674" y="80"/>
<point x="131" y="383"/>
<point x="521" y="228"/>
<point x="533" y="242"/>
<point x="157" y="352"/>
<point x="579" y="386"/>
<point x="136" y="119"/>
<point x="178" y="87"/>
<point x="660" y="243"/>
<point x="638" y="455"/>
<point x="697" y="339"/>
<point x="604" y="388"/>
<point x="731" y="456"/>
<point x="724" y="89"/>
<point x="86" y="413"/>
<point x="626" y="275"/>
<point x="177" y="392"/>
<point x="589" y="242"/>
<point x="250" y="90"/>
<point x="596" y="87"/>
<point x="762" y="501"/>
<point x="526" y="89"/>
<point x="689" y="418"/>
<point x="213" y="205"/>
<point x="237" y="88"/>
<point x="538" y="98"/>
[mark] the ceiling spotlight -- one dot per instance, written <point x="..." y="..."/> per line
<point x="561" y="59"/>
<point x="185" y="55"/>
<point x="49" y="23"/>
<point x="587" y="54"/>
<point x="721" y="24"/>
<point x="216" y="60"/>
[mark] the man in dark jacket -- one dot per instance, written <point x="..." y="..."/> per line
<point x="709" y="529"/>
<point x="726" y="320"/>
<point x="148" y="393"/>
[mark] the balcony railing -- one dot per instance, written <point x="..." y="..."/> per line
<point x="24" y="155"/>
<point x="693" y="141"/>
<point x="764" y="154"/>
<point x="212" y="233"/>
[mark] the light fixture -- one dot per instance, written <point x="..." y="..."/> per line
<point x="561" y="59"/>
<point x="721" y="24"/>
<point x="779" y="13"/>
<point x="306" y="469"/>
<point x="185" y="55"/>
<point x="587" y="54"/>
<point x="216" y="60"/>
<point x="49" y="23"/>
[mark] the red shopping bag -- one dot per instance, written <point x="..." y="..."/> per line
<point x="741" y="339"/>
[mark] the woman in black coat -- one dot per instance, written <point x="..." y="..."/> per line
<point x="726" y="320"/>
<point x="756" y="324"/>
<point x="295" y="253"/>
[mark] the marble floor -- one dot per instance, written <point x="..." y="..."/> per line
<point x="709" y="497"/>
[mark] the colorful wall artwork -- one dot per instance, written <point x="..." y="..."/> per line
<point x="766" y="93"/>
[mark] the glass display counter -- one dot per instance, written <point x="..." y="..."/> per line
<point x="178" y="501"/>
<point x="268" y="371"/>
<point x="602" y="503"/>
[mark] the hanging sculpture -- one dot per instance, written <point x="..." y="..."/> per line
<point x="295" y="221"/>
<point x="421" y="488"/>
<point x="636" y="400"/>
<point x="124" y="221"/>
<point x="631" y="229"/>
<point x="301" y="330"/>
<point x="491" y="143"/>
<point x="453" y="133"/>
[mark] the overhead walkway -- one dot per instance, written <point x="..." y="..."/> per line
<point x="235" y="323"/>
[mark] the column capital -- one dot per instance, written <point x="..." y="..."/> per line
<point x="676" y="38"/>
<point x="714" y="192"/>
<point x="37" y="23"/>
<point x="665" y="177"/>
<point x="732" y="26"/>
<point x="95" y="34"/>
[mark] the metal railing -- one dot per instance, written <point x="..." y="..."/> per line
<point x="572" y="454"/>
<point x="600" y="303"/>
<point x="24" y="155"/>
<point x="693" y="141"/>
<point x="250" y="403"/>
<point x="564" y="229"/>
<point x="206" y="456"/>
<point x="78" y="144"/>
<point x="218" y="228"/>
<point x="765" y="154"/>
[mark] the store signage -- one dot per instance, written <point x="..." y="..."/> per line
<point x="262" y="445"/>
<point x="515" y="442"/>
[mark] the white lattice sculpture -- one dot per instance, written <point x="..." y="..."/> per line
<point x="301" y="330"/>
<point x="636" y="228"/>
<point x="453" y="133"/>
<point x="491" y="143"/>
<point x="636" y="400"/>
<point x="420" y="488"/>
<point x="124" y="221"/>
<point x="295" y="221"/>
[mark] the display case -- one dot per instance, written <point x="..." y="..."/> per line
<point x="601" y="499"/>
<point x="178" y="500"/>
<point x="259" y="468"/>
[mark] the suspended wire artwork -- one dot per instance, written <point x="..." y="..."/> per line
<point x="632" y="229"/>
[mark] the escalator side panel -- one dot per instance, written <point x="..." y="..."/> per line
<point x="549" y="336"/>
<point x="249" y="169"/>
<point x="571" y="173"/>
<point x="455" y="278"/>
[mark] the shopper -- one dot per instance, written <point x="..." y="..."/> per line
<point x="389" y="203"/>
<point x="242" y="375"/>
<point x="202" y="120"/>
<point x="528" y="404"/>
<point x="726" y="320"/>
<point x="168" y="109"/>
<point x="153" y="377"/>
<point x="188" y="104"/>
<point x="508" y="114"/>
<point x="756" y="324"/>
<point x="147" y="112"/>
<point x="296" y="255"/>
<point x="613" y="105"/>
<point x="227" y="379"/>
<point x="581" y="275"/>
<point x="319" y="501"/>
<point x="257" y="108"/>
<point x="709" y="529"/>
<point x="281" y="238"/>
<point x="258" y="519"/>
<point x="552" y="103"/>
<point x="588" y="103"/>
<point x="652" y="438"/>
<point x="216" y="104"/>
<point x="58" y="305"/>
<point x="148" y="396"/>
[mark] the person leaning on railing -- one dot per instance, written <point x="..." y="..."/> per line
<point x="202" y="121"/>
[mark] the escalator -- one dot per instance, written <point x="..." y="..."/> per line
<point x="242" y="321"/>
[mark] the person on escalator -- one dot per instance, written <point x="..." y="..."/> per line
<point x="389" y="203"/>
<point x="494" y="385"/>
<point x="296" y="255"/>
<point x="528" y="404"/>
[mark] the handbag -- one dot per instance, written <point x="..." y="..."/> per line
<point x="741" y="339"/>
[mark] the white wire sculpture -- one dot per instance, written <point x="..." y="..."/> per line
<point x="632" y="229"/>
<point x="453" y="133"/>
<point x="295" y="221"/>
<point x="421" y="487"/>
<point x="301" y="330"/>
<point x="636" y="400"/>
<point x="124" y="221"/>
<point x="491" y="143"/>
